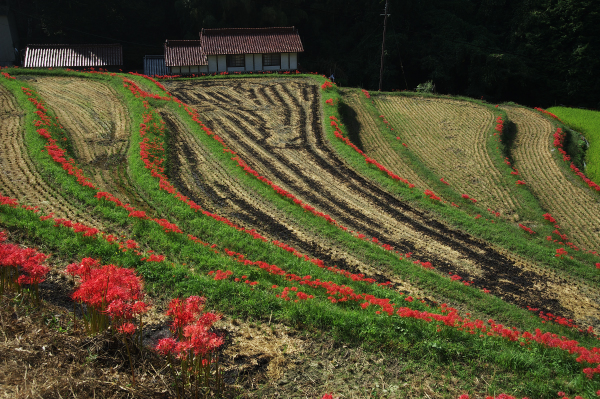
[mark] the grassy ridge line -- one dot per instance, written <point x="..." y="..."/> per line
<point x="472" y="297"/>
<point x="501" y="233"/>
<point x="588" y="123"/>
<point x="442" y="345"/>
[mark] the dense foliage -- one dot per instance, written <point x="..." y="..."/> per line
<point x="538" y="53"/>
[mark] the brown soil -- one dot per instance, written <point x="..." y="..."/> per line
<point x="19" y="177"/>
<point x="556" y="191"/>
<point x="450" y="137"/>
<point x="276" y="127"/>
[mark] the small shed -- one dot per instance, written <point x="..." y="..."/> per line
<point x="251" y="49"/>
<point x="154" y="65"/>
<point x="108" y="56"/>
<point x="185" y="57"/>
<point x="9" y="43"/>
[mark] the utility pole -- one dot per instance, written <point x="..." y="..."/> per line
<point x="383" y="44"/>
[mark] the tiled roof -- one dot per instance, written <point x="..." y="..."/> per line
<point x="250" y="41"/>
<point x="183" y="53"/>
<point x="73" y="55"/>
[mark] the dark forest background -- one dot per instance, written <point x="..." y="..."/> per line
<point x="537" y="53"/>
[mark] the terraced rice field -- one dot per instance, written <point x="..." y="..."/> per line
<point x="275" y="125"/>
<point x="98" y="124"/>
<point x="450" y="137"/>
<point x="375" y="143"/>
<point x="19" y="176"/>
<point x="215" y="230"/>
<point x="574" y="207"/>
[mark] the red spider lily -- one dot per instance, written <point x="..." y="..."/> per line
<point x="326" y="85"/>
<point x="547" y="113"/>
<point x="560" y="252"/>
<point x="110" y="293"/>
<point x="520" y="182"/>
<point x="559" y="137"/>
<point x="444" y="181"/>
<point x="21" y="266"/>
<point x="431" y="195"/>
<point x="549" y="218"/>
<point x="196" y="345"/>
<point x="366" y="93"/>
<point x="527" y="229"/>
<point x="597" y="265"/>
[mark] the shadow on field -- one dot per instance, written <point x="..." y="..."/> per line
<point x="350" y="120"/>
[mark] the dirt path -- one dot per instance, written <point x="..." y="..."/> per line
<point x="450" y="136"/>
<point x="19" y="177"/>
<point x="276" y="127"/>
<point x="556" y="192"/>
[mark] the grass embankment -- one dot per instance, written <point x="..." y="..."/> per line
<point x="587" y="123"/>
<point x="347" y="321"/>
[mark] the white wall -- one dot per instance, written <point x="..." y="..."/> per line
<point x="222" y="63"/>
<point x="212" y="63"/>
<point x="204" y="68"/>
<point x="235" y="69"/>
<point x="285" y="60"/>
<point x="195" y="69"/>
<point x="272" y="68"/>
<point x="249" y="62"/>
<point x="258" y="62"/>
<point x="293" y="61"/>
<point x="175" y="70"/>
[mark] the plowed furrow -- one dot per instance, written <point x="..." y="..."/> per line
<point x="98" y="124"/>
<point x="375" y="145"/>
<point x="200" y="177"/>
<point x="556" y="192"/>
<point x="19" y="177"/>
<point x="450" y="138"/>
<point x="314" y="173"/>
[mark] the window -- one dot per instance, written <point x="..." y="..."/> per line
<point x="272" y="59"/>
<point x="236" y="60"/>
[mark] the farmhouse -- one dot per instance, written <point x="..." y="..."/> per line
<point x="108" y="56"/>
<point x="235" y="50"/>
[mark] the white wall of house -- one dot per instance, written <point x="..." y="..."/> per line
<point x="222" y="63"/>
<point x="212" y="63"/>
<point x="285" y="60"/>
<point x="253" y="62"/>
<point x="249" y="62"/>
<point x="258" y="62"/>
<point x="189" y="69"/>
